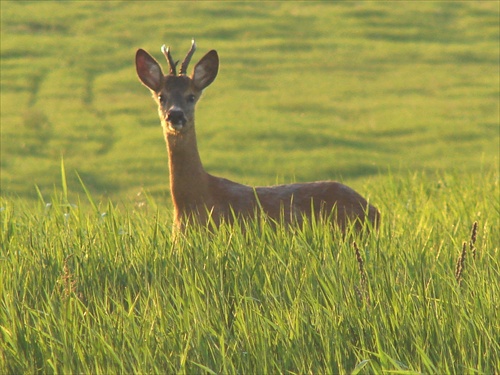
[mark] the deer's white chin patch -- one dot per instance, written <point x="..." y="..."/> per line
<point x="176" y="127"/>
<point x="173" y="127"/>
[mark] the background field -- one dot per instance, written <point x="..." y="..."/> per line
<point x="398" y="99"/>
<point x="305" y="91"/>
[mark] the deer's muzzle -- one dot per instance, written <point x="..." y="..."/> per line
<point x="176" y="119"/>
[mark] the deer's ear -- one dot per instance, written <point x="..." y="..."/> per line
<point x="206" y="70"/>
<point x="148" y="70"/>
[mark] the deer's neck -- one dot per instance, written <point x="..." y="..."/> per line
<point x="188" y="179"/>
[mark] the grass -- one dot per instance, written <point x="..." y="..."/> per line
<point x="400" y="103"/>
<point x="324" y="91"/>
<point x="108" y="290"/>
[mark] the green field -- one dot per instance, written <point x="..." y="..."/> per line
<point x="398" y="100"/>
<point x="305" y="91"/>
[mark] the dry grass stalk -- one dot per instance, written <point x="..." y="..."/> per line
<point x="461" y="264"/>
<point x="363" y="289"/>
<point x="459" y="269"/>
<point x="473" y="238"/>
<point x="68" y="280"/>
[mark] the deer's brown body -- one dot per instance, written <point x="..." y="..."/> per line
<point x="199" y="197"/>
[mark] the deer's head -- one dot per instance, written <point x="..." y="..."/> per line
<point x="176" y="95"/>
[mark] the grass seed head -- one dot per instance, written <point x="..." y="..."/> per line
<point x="473" y="238"/>
<point x="68" y="279"/>
<point x="363" y="289"/>
<point x="461" y="264"/>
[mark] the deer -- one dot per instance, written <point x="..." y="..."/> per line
<point x="200" y="198"/>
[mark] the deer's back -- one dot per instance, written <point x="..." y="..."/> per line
<point x="321" y="199"/>
<point x="291" y="202"/>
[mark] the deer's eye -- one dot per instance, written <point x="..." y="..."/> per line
<point x="162" y="98"/>
<point x="190" y="98"/>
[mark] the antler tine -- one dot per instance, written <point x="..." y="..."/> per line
<point x="187" y="59"/>
<point x="171" y="63"/>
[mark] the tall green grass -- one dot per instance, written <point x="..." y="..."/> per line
<point x="94" y="288"/>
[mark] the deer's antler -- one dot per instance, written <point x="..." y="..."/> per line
<point x="168" y="56"/>
<point x="187" y="59"/>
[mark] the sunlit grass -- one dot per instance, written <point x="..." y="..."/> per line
<point x="98" y="288"/>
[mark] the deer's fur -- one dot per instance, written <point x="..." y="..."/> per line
<point x="200" y="197"/>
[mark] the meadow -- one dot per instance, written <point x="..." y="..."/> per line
<point x="399" y="102"/>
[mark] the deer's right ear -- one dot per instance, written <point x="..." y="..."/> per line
<point x="148" y="70"/>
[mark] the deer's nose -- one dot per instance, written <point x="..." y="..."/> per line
<point x="176" y="118"/>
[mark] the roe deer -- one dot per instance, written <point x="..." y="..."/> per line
<point x="199" y="197"/>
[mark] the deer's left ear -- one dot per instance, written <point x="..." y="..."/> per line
<point x="148" y="70"/>
<point x="206" y="70"/>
